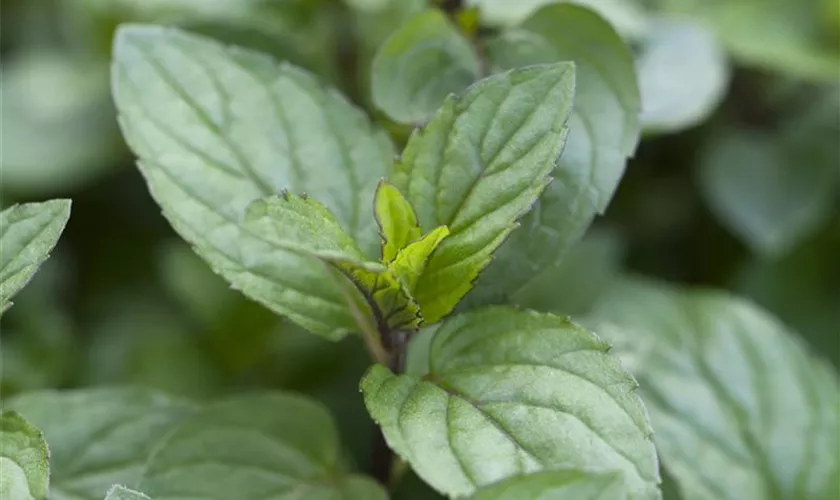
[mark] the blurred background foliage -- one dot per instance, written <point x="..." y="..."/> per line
<point x="734" y="185"/>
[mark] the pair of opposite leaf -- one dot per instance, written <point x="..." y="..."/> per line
<point x="301" y="224"/>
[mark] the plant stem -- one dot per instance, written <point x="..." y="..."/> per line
<point x="382" y="456"/>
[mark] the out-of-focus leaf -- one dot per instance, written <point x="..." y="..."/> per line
<point x="421" y="63"/>
<point x="771" y="192"/>
<point x="578" y="281"/>
<point x="259" y="446"/>
<point x="238" y="127"/>
<point x="478" y="167"/>
<point x="604" y="129"/>
<point x="739" y="408"/>
<point x="123" y="493"/>
<point x="24" y="459"/>
<point x="557" y="485"/>
<point x="511" y="393"/>
<point x="98" y="437"/>
<point x="683" y="75"/>
<point x="28" y="234"/>
<point x="626" y="16"/>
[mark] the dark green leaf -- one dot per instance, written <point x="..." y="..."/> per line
<point x="268" y="446"/>
<point x="216" y="128"/>
<point x="740" y="409"/>
<point x="24" y="459"/>
<point x="511" y="393"/>
<point x="123" y="493"/>
<point x="421" y="63"/>
<point x="478" y="167"/>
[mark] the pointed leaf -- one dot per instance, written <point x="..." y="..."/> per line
<point x="421" y="63"/>
<point x="123" y="493"/>
<point x="98" y="437"/>
<point x="28" y="234"/>
<point x="478" y="167"/>
<point x="411" y="261"/>
<point x="398" y="225"/>
<point x="216" y="128"/>
<point x="264" y="446"/>
<point x="727" y="383"/>
<point x="24" y="459"/>
<point x="603" y="131"/>
<point x="557" y="485"/>
<point x="511" y="393"/>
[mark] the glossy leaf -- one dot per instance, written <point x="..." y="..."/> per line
<point x="421" y="63"/>
<point x="604" y="129"/>
<point x="28" y="234"/>
<point x="99" y="437"/>
<point x="511" y="393"/>
<point x="123" y="493"/>
<point x="263" y="446"/>
<point x="24" y="459"/>
<point x="410" y="263"/>
<point x="683" y="75"/>
<point x="478" y="167"/>
<point x="557" y="485"/>
<point x="217" y="128"/>
<point x="740" y="409"/>
<point x="398" y="225"/>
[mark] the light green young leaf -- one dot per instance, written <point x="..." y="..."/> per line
<point x="98" y="437"/>
<point x="421" y="63"/>
<point x="767" y="193"/>
<point x="304" y="226"/>
<point x="410" y="263"/>
<point x="683" y="75"/>
<point x="478" y="167"/>
<point x="398" y="225"/>
<point x="123" y="493"/>
<point x="255" y="447"/>
<point x="604" y="130"/>
<point x="511" y="393"/>
<point x="557" y="485"/>
<point x="740" y="409"/>
<point x="28" y="234"/>
<point x="217" y="128"/>
<point x="24" y="459"/>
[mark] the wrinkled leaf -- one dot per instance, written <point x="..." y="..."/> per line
<point x="604" y="129"/>
<point x="740" y="409"/>
<point x="410" y="263"/>
<point x="421" y="63"/>
<point x="98" y="437"/>
<point x="123" y="493"/>
<point x="557" y="485"/>
<point x="398" y="225"/>
<point x="264" y="446"/>
<point x="478" y="167"/>
<point x="683" y="75"/>
<point x="24" y="459"/>
<point x="511" y="393"/>
<point x="216" y="128"/>
<point x="28" y="234"/>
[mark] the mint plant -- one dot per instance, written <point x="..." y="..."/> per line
<point x="441" y="229"/>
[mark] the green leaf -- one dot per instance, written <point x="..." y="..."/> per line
<point x="28" y="234"/>
<point x="303" y="225"/>
<point x="217" y="128"/>
<point x="398" y="225"/>
<point x="740" y="409"/>
<point x="24" y="459"/>
<point x="771" y="191"/>
<point x="604" y="130"/>
<point x="98" y="437"/>
<point x="410" y="263"/>
<point x="123" y="493"/>
<point x="255" y="447"/>
<point x="480" y="165"/>
<point x="557" y="485"/>
<point x="421" y="63"/>
<point x="511" y="393"/>
<point x="683" y="75"/>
